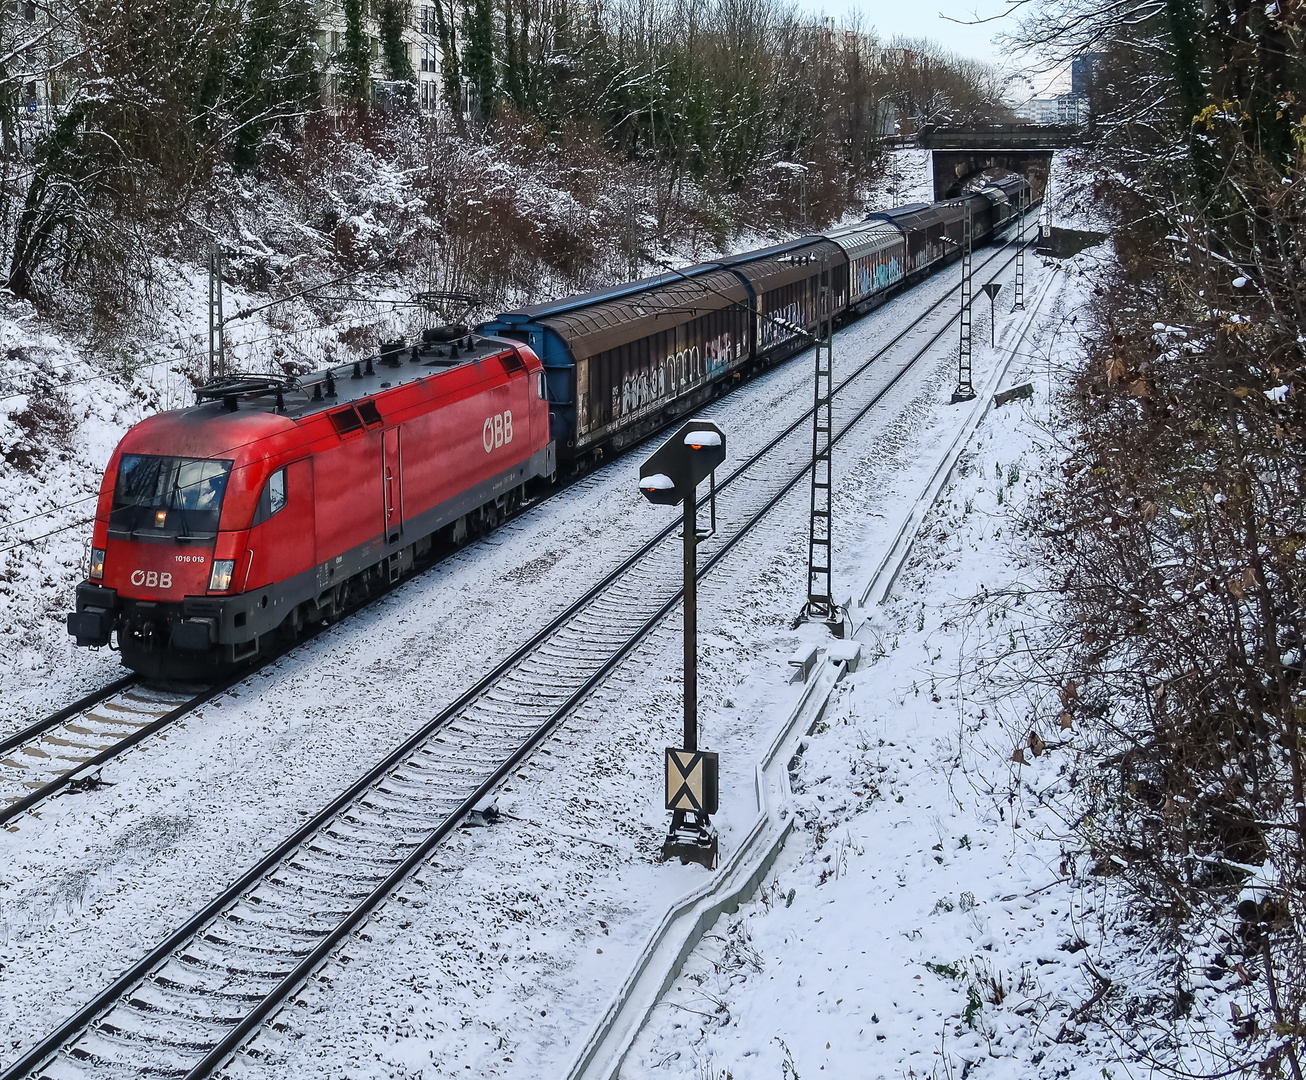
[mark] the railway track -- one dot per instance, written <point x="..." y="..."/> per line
<point x="64" y="751"/>
<point x="187" y="1006"/>
<point x="33" y="731"/>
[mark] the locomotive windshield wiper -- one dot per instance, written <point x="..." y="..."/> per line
<point x="179" y="504"/>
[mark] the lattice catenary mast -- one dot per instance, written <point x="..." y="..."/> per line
<point x="965" y="389"/>
<point x="217" y="350"/>
<point x="820" y="590"/>
<point x="1019" y="302"/>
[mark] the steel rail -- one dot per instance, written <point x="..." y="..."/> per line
<point x="121" y="746"/>
<point x="231" y="1043"/>
<point x="10" y="742"/>
<point x="39" y="1054"/>
<point x="124" y="744"/>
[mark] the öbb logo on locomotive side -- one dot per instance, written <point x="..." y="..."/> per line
<point x="151" y="579"/>
<point x="497" y="430"/>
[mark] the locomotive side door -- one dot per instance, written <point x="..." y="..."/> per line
<point x="392" y="488"/>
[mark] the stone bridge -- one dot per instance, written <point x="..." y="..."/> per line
<point x="959" y="153"/>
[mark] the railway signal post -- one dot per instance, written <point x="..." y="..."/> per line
<point x="672" y="476"/>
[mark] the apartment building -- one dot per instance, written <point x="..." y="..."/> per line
<point x="420" y="38"/>
<point x="38" y="40"/>
<point x="1063" y="110"/>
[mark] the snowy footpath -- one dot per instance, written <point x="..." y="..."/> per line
<point x="925" y="921"/>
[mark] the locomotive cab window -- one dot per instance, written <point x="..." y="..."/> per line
<point x="369" y="412"/>
<point x="273" y="498"/>
<point x="512" y="362"/>
<point x="540" y="387"/>
<point x="168" y="497"/>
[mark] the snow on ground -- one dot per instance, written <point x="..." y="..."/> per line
<point x="54" y="439"/>
<point x="907" y="179"/>
<point x="1075" y="176"/>
<point x="922" y="924"/>
<point x="500" y="959"/>
<point x="92" y="881"/>
<point x="927" y="922"/>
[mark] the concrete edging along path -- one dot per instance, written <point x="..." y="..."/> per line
<point x="895" y="556"/>
<point x="685" y="924"/>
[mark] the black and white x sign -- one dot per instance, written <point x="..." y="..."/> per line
<point x="692" y="780"/>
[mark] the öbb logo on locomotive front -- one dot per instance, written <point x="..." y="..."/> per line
<point x="151" y="579"/>
<point x="497" y="430"/>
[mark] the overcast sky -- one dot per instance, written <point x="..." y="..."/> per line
<point x="925" y="18"/>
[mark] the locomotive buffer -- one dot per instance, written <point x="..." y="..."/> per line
<point x="672" y="476"/>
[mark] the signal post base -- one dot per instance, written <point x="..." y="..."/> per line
<point x="836" y="620"/>
<point x="691" y="839"/>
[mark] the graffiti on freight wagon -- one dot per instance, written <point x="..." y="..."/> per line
<point x="639" y="390"/>
<point x="880" y="275"/>
<point x="784" y="322"/>
<point x="717" y="352"/>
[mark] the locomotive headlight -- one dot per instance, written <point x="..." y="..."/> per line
<point x="97" y="564"/>
<point x="160" y="518"/>
<point x="220" y="579"/>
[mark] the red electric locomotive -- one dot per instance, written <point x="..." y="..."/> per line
<point x="274" y="503"/>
